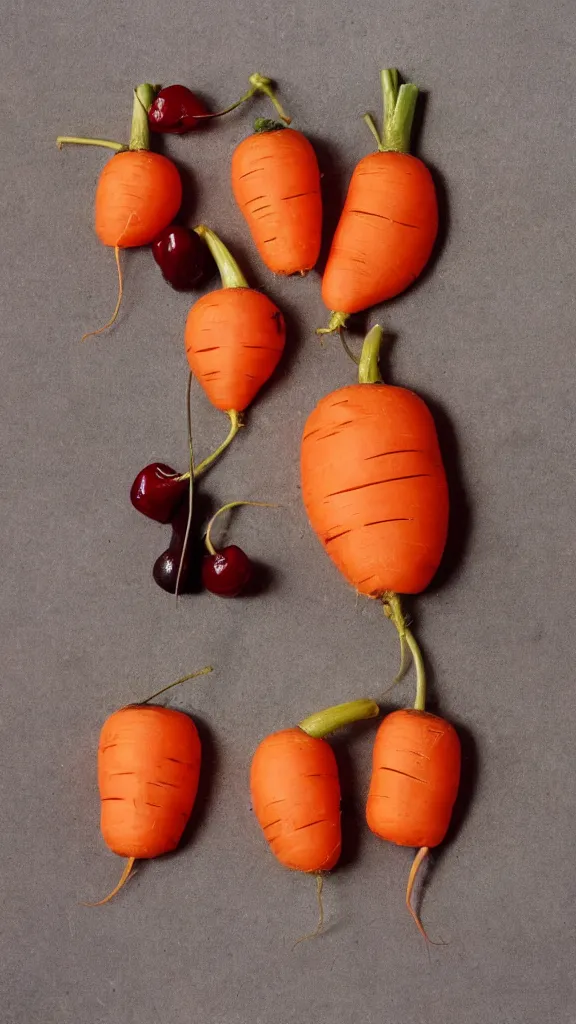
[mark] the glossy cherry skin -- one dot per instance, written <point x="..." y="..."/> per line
<point x="182" y="256"/>
<point x="176" y="110"/>
<point x="158" y="491"/>
<point x="165" y="571"/>
<point x="228" y="572"/>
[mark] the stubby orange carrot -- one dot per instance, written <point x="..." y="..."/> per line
<point x="390" y="218"/>
<point x="148" y="771"/>
<point x="138" y="192"/>
<point x="276" y="183"/>
<point x="296" y="790"/>
<point x="415" y="772"/>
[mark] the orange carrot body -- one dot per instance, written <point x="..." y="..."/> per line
<point x="148" y="771"/>
<point x="385" y="234"/>
<point x="296" y="798"/>
<point x="276" y="183"/>
<point x="138" y="194"/>
<point x="415" y="777"/>
<point x="234" y="339"/>
<point x="374" y="487"/>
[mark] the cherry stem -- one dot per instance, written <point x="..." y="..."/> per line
<point x="324" y="722"/>
<point x="183" y="679"/>
<point x="231" y="504"/>
<point x="258" y="84"/>
<point x="78" y="140"/>
<point x="232" y="276"/>
<point x="393" y="611"/>
<point x="190" y="484"/>
<point x="236" y="422"/>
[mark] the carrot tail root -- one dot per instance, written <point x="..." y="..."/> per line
<point x="319" y="927"/>
<point x="112" y="320"/>
<point x="124" y="878"/>
<point x="416" y="865"/>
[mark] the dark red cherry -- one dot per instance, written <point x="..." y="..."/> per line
<point x="176" y="110"/>
<point x="165" y="571"/>
<point x="228" y="572"/>
<point x="182" y="256"/>
<point x="157" y="491"/>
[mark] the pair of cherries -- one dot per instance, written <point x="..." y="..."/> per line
<point x="183" y="259"/>
<point x="160" y="493"/>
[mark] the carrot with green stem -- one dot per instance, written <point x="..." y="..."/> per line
<point x="415" y="771"/>
<point x="389" y="223"/>
<point x="234" y="337"/>
<point x="138" y="192"/>
<point x="295" y="791"/>
<point x="276" y="184"/>
<point x="148" y="772"/>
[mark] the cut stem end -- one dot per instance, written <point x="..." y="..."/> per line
<point x="324" y="722"/>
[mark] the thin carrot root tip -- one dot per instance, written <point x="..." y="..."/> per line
<point x="112" y="320"/>
<point x="416" y="865"/>
<point x="124" y="878"/>
<point x="319" y="927"/>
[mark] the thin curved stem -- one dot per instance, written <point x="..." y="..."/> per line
<point x="355" y="359"/>
<point x="393" y="611"/>
<point x="190" y="485"/>
<point x="116" y="889"/>
<point x="112" y="320"/>
<point x="258" y="84"/>
<point x="183" y="679"/>
<point x="416" y="864"/>
<point x="236" y="423"/>
<point x="225" y="508"/>
<point x="78" y="140"/>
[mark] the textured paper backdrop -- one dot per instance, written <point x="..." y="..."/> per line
<point x="487" y="336"/>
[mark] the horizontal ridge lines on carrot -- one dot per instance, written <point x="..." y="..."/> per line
<point x="345" y="481"/>
<point x="278" y="164"/>
<point x="390" y="218"/>
<point x="234" y="336"/>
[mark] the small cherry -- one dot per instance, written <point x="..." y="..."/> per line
<point x="182" y="257"/>
<point x="157" y="491"/>
<point x="228" y="571"/>
<point x="166" y="568"/>
<point x="176" y="110"/>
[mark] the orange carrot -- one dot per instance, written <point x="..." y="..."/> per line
<point x="234" y="337"/>
<point x="415" y="772"/>
<point x="373" y="483"/>
<point x="148" y="771"/>
<point x="296" y="790"/>
<point x="390" y="218"/>
<point x="276" y="183"/>
<point x="138" y="192"/>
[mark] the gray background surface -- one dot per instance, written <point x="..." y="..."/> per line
<point x="488" y="335"/>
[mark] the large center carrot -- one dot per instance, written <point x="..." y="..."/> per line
<point x="276" y="183"/>
<point x="373" y="483"/>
